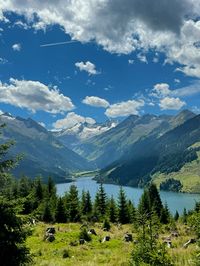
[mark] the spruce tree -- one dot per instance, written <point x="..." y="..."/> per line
<point x="144" y="203"/>
<point x="176" y="216"/>
<point x="165" y="215"/>
<point x="154" y="199"/>
<point x="112" y="211"/>
<point x="102" y="201"/>
<point x="39" y="193"/>
<point x="131" y="212"/>
<point x="13" y="251"/>
<point x="73" y="204"/>
<point x="60" y="213"/>
<point x="47" y="215"/>
<point x="51" y="188"/>
<point x="86" y="203"/>
<point x="123" y="214"/>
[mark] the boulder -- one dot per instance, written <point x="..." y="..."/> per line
<point x="128" y="237"/>
<point x="174" y="234"/>
<point x="168" y="243"/>
<point x="82" y="241"/>
<point x="51" y="230"/>
<point x="92" y="232"/>
<point x="50" y="237"/>
<point x="106" y="238"/>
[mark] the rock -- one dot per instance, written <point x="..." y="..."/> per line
<point x="191" y="241"/>
<point x="51" y="230"/>
<point x="82" y="241"/>
<point x="168" y="243"/>
<point x="128" y="237"/>
<point x="106" y="238"/>
<point x="174" y="234"/>
<point x="92" y="232"/>
<point x="50" y="237"/>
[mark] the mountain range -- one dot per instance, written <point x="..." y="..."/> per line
<point x="42" y="152"/>
<point x="131" y="152"/>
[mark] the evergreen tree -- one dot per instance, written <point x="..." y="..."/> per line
<point x="13" y="251"/>
<point x="51" y="188"/>
<point x="123" y="216"/>
<point x="184" y="217"/>
<point x="39" y="193"/>
<point x="73" y="204"/>
<point x="154" y="199"/>
<point x="86" y="203"/>
<point x="165" y="215"/>
<point x="60" y="213"/>
<point x="112" y="211"/>
<point x="47" y="215"/>
<point x="148" y="250"/>
<point x="176" y="216"/>
<point x="131" y="212"/>
<point x="102" y="201"/>
<point x="144" y="203"/>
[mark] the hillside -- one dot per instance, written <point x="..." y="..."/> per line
<point x="165" y="154"/>
<point x="42" y="152"/>
<point x="118" y="140"/>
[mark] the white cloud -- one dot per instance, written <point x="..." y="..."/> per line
<point x="71" y="120"/>
<point x="3" y="61"/>
<point x="131" y="61"/>
<point x="34" y="96"/>
<point x="89" y="67"/>
<point x="160" y="90"/>
<point x="124" y="108"/>
<point x="142" y="58"/>
<point x="170" y="103"/>
<point x="17" y="47"/>
<point x="171" y="27"/>
<point x="95" y="101"/>
<point x="177" y="80"/>
<point x="1" y="112"/>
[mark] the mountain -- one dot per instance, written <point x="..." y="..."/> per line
<point x="80" y="132"/>
<point x="42" y="152"/>
<point x="114" y="143"/>
<point x="165" y="154"/>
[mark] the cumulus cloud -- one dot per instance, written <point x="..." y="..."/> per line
<point x="160" y="90"/>
<point x="131" y="61"/>
<point x="1" y="112"/>
<point x="121" y="109"/>
<point x="17" y="47"/>
<point x="170" y="103"/>
<point x="89" y="67"/>
<point x="3" y="61"/>
<point x="142" y="58"/>
<point x="95" y="101"/>
<point x="71" y="120"/>
<point x="171" y="27"/>
<point x="34" y="96"/>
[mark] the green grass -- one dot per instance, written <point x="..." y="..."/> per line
<point x="113" y="253"/>
<point x="189" y="175"/>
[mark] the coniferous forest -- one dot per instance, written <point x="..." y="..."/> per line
<point x="31" y="211"/>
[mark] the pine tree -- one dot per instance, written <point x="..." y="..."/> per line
<point x="102" y="200"/>
<point x="176" y="216"/>
<point x="144" y="203"/>
<point x="112" y="211"/>
<point x="39" y="193"/>
<point x="47" y="215"/>
<point x="73" y="204"/>
<point x="86" y="204"/>
<point x="154" y="199"/>
<point x="13" y="251"/>
<point x="51" y="188"/>
<point x="165" y="215"/>
<point x="60" y="213"/>
<point x="131" y="212"/>
<point x="123" y="215"/>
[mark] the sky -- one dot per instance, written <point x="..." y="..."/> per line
<point x="63" y="62"/>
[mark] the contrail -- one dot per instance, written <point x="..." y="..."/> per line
<point x="56" y="43"/>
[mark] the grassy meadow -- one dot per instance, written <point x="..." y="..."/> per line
<point x="66" y="250"/>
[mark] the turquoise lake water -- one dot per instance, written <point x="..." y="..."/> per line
<point x="175" y="201"/>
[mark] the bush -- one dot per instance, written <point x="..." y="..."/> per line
<point x="84" y="235"/>
<point x="106" y="225"/>
<point x="66" y="254"/>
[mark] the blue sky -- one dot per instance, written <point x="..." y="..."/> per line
<point x="120" y="63"/>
